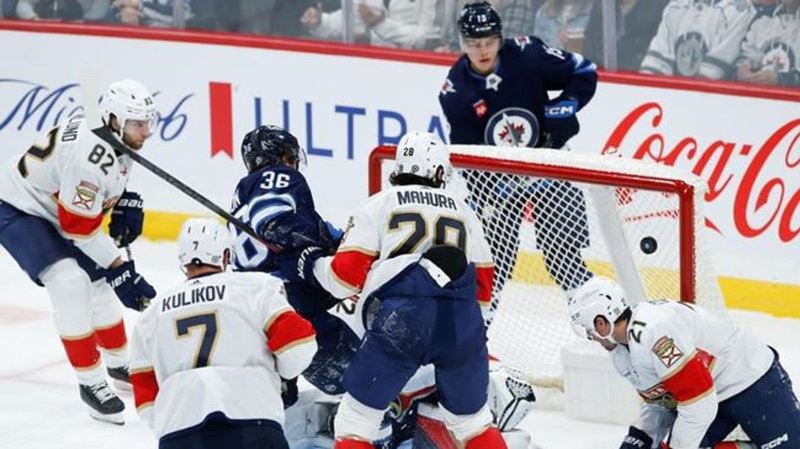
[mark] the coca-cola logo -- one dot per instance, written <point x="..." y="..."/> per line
<point x="764" y="200"/>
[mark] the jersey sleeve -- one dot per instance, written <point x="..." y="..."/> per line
<point x="571" y="73"/>
<point x="290" y="337"/>
<point x="345" y="273"/>
<point x="685" y="372"/>
<point x="733" y="20"/>
<point x="481" y="255"/>
<point x="81" y="197"/>
<point x="660" y="56"/>
<point x="142" y="372"/>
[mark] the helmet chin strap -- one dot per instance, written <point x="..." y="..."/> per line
<point x="608" y="338"/>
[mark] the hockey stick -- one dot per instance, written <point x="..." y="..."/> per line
<point x="105" y="134"/>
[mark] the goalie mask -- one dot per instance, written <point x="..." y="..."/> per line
<point x="203" y="241"/>
<point x="599" y="296"/>
<point x="422" y="154"/>
<point x="270" y="145"/>
<point x="131" y="103"/>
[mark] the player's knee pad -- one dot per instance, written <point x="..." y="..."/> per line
<point x="70" y="290"/>
<point x="490" y="438"/>
<point x="106" y="307"/>
<point x="465" y="427"/>
<point x="356" y="420"/>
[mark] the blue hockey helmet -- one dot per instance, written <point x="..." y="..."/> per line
<point x="479" y="20"/>
<point x="270" y="145"/>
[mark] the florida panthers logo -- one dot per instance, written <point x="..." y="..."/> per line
<point x="689" y="53"/>
<point x="512" y="127"/>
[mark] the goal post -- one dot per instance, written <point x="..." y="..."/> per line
<point x="645" y="228"/>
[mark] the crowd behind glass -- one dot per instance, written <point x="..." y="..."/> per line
<point x="752" y="41"/>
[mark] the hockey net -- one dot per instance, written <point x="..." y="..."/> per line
<point x="552" y="216"/>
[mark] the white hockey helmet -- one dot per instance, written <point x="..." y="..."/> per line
<point x="127" y="100"/>
<point x="420" y="153"/>
<point x="599" y="296"/>
<point x="203" y="241"/>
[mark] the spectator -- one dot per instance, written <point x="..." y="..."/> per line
<point x="152" y="13"/>
<point x="400" y="23"/>
<point x="558" y="22"/>
<point x="61" y="9"/>
<point x="637" y="22"/>
<point x="771" y="47"/>
<point x="699" y="38"/>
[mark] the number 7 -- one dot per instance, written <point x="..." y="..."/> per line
<point x="209" y="323"/>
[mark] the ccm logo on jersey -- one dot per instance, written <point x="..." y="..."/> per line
<point x="776" y="442"/>
<point x="667" y="351"/>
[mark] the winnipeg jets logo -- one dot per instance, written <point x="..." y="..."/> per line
<point x="779" y="56"/>
<point x="690" y="50"/>
<point x="515" y="127"/>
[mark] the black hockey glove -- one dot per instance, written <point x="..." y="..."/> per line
<point x="289" y="393"/>
<point x="131" y="288"/>
<point x="560" y="122"/>
<point x="636" y="439"/>
<point x="298" y="265"/>
<point x="127" y="218"/>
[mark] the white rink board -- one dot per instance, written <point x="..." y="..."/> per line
<point x="342" y="106"/>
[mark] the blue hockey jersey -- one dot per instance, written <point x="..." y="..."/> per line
<point x="277" y="203"/>
<point x="507" y="107"/>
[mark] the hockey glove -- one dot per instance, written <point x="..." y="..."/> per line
<point x="560" y="122"/>
<point x="299" y="265"/>
<point x="636" y="439"/>
<point x="289" y="393"/>
<point x="127" y="218"/>
<point x="131" y="288"/>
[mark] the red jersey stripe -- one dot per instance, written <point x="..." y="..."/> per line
<point x="287" y="330"/>
<point x="352" y="267"/>
<point x="145" y="386"/>
<point x="75" y="224"/>
<point x="485" y="276"/>
<point x="691" y="381"/>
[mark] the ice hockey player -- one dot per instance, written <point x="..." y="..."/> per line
<point x="275" y="200"/>
<point x="417" y="256"/>
<point x="208" y="356"/>
<point x="52" y="201"/>
<point x="699" y="375"/>
<point x="497" y="94"/>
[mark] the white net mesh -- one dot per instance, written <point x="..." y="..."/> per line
<point x="555" y="218"/>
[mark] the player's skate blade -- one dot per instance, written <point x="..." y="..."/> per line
<point x="120" y="378"/>
<point x="103" y="404"/>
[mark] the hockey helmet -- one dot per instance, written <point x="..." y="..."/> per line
<point x="479" y="20"/>
<point x="599" y="296"/>
<point x="421" y="154"/>
<point x="203" y="241"/>
<point x="127" y="100"/>
<point x="270" y="145"/>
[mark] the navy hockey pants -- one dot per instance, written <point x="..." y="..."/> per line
<point x="407" y="333"/>
<point x="768" y="412"/>
<point x="218" y="431"/>
<point x="35" y="244"/>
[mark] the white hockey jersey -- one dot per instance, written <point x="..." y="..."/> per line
<point x="699" y="38"/>
<point x="774" y="41"/>
<point x="672" y="347"/>
<point x="71" y="178"/>
<point x="392" y="229"/>
<point x="219" y="342"/>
